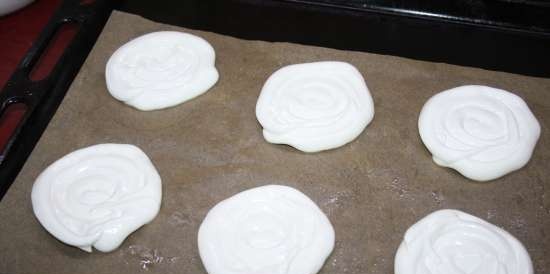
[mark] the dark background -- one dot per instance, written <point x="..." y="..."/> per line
<point x="512" y="36"/>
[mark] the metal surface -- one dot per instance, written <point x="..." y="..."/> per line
<point x="513" y="15"/>
<point x="42" y="97"/>
<point x="496" y="35"/>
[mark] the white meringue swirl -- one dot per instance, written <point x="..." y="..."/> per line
<point x="265" y="230"/>
<point x="314" y="106"/>
<point x="482" y="132"/>
<point x="97" y="196"/>
<point x="453" y="242"/>
<point x="161" y="69"/>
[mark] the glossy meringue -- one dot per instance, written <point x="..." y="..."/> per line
<point x="482" y="132"/>
<point x="265" y="230"/>
<point x="97" y="196"/>
<point x="161" y="69"/>
<point x="453" y="242"/>
<point x="9" y="6"/>
<point x="314" y="106"/>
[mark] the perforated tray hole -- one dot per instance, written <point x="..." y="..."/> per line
<point x="50" y="56"/>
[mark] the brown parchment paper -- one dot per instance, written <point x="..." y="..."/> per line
<point x="210" y="148"/>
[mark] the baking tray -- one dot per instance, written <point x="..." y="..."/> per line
<point x="511" y="36"/>
<point x="212" y="147"/>
<point x="504" y="35"/>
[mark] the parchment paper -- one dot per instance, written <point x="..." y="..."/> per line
<point x="210" y="148"/>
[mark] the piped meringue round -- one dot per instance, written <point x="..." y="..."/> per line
<point x="314" y="106"/>
<point x="482" y="132"/>
<point x="161" y="69"/>
<point x="453" y="242"/>
<point x="97" y="196"/>
<point x="269" y="230"/>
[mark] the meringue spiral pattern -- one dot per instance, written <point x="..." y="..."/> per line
<point x="314" y="106"/>
<point x="97" y="196"/>
<point x="453" y="242"/>
<point x="482" y="132"/>
<point x="265" y="230"/>
<point x="161" y="69"/>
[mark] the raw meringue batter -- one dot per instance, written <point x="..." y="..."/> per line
<point x="453" y="242"/>
<point x="271" y="229"/>
<point x="314" y="106"/>
<point x="97" y="196"/>
<point x="482" y="132"/>
<point x="161" y="69"/>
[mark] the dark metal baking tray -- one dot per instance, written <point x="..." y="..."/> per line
<point x="511" y="36"/>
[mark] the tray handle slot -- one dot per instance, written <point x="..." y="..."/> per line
<point x="49" y="57"/>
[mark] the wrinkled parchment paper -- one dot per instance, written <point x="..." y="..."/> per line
<point x="210" y="148"/>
